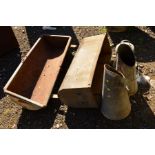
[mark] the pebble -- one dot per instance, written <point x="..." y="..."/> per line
<point x="146" y="31"/>
<point x="146" y="98"/>
<point x="146" y="93"/>
<point x="14" y="126"/>
<point x="114" y="56"/>
<point x="73" y="53"/>
<point x="48" y="28"/>
<point x="149" y="97"/>
<point x="147" y="77"/>
<point x="73" y="46"/>
<point x="150" y="71"/>
<point x="143" y="79"/>
<point x="141" y="66"/>
<point x="111" y="45"/>
<point x="57" y="126"/>
<point x="152" y="83"/>
<point x="133" y="101"/>
<point x="23" y="31"/>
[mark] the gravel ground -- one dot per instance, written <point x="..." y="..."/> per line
<point x="56" y="115"/>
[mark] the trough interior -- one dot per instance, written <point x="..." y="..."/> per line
<point x="35" y="79"/>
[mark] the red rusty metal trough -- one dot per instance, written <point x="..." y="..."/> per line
<point x="32" y="83"/>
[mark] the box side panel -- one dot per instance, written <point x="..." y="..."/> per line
<point x="78" y="98"/>
<point x="104" y="58"/>
<point x="25" y="104"/>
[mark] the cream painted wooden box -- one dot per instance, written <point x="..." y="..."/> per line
<point x="82" y="85"/>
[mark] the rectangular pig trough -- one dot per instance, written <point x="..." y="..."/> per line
<point x="32" y="83"/>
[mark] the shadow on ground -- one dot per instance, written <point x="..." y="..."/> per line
<point x="41" y="119"/>
<point x="34" y="32"/>
<point x="144" y="44"/>
<point x="8" y="64"/>
<point x="141" y="117"/>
